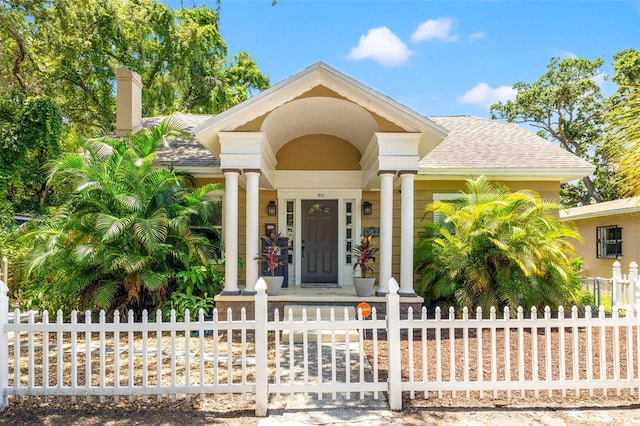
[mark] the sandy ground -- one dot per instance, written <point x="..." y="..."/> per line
<point x="612" y="412"/>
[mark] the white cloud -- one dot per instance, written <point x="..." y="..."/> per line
<point x="484" y="95"/>
<point x="382" y="46"/>
<point x="439" y="29"/>
<point x="477" y="36"/>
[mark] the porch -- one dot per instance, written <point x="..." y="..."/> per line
<point x="338" y="297"/>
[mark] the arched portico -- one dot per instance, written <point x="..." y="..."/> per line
<point x="319" y="107"/>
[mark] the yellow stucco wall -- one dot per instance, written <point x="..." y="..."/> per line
<point x="423" y="195"/>
<point x="318" y="152"/>
<point x="594" y="267"/>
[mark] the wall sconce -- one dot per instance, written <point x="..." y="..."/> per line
<point x="366" y="208"/>
<point x="272" y="208"/>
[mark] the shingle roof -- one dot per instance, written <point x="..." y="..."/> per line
<point x="625" y="205"/>
<point x="472" y="144"/>
<point x="184" y="152"/>
<point x="481" y="143"/>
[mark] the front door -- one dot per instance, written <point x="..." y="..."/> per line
<point x="319" y="241"/>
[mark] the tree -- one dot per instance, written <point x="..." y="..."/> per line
<point x="623" y="120"/>
<point x="567" y="107"/>
<point x="69" y="50"/>
<point x="623" y="137"/>
<point x="29" y="140"/>
<point x="496" y="248"/>
<point x="124" y="237"/>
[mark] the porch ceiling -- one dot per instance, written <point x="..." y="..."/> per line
<point x="320" y="115"/>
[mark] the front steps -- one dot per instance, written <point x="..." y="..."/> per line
<point x="324" y="311"/>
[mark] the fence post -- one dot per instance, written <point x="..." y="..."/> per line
<point x="4" y="345"/>
<point x="5" y="270"/>
<point x="261" y="348"/>
<point x="633" y="286"/>
<point x="616" y="290"/>
<point x="393" y="346"/>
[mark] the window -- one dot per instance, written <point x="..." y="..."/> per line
<point x="348" y="209"/>
<point x="609" y="241"/>
<point x="444" y="197"/>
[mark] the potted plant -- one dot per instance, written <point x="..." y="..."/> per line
<point x="272" y="257"/>
<point x="363" y="254"/>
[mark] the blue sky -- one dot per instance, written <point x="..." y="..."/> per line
<point x="436" y="57"/>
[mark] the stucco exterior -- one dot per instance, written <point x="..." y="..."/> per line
<point x="625" y="214"/>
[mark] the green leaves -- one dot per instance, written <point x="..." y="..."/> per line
<point x="623" y="137"/>
<point x="496" y="248"/>
<point x="70" y="49"/>
<point x="124" y="234"/>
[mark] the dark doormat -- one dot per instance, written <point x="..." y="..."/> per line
<point x="319" y="285"/>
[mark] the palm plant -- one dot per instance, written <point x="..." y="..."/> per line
<point x="623" y="137"/>
<point x="496" y="248"/>
<point x="126" y="232"/>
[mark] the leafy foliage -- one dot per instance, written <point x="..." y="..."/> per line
<point x="623" y="120"/>
<point x="496" y="248"/>
<point x="28" y="142"/>
<point x="623" y="138"/>
<point x="125" y="234"/>
<point x="69" y="50"/>
<point x="272" y="255"/>
<point x="363" y="254"/>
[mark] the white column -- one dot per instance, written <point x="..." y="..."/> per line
<point x="250" y="264"/>
<point x="386" y="230"/>
<point x="231" y="232"/>
<point x="406" y="234"/>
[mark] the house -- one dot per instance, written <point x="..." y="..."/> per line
<point x="322" y="159"/>
<point x="611" y="231"/>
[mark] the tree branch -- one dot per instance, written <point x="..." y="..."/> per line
<point x="17" y="63"/>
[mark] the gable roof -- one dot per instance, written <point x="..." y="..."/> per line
<point x="493" y="148"/>
<point x="318" y="74"/>
<point x="607" y="208"/>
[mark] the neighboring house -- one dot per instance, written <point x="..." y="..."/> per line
<point x="611" y="231"/>
<point x="324" y="159"/>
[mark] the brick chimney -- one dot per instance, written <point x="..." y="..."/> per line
<point x="128" y="102"/>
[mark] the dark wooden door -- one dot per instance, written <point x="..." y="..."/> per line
<point x="319" y="241"/>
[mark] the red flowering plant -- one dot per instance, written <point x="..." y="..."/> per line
<point x="363" y="254"/>
<point x="271" y="254"/>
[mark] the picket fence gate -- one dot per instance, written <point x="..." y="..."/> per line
<point x="357" y="357"/>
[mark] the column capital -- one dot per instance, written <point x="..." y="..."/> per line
<point x="247" y="171"/>
<point x="386" y="172"/>
<point x="237" y="171"/>
<point x="407" y="172"/>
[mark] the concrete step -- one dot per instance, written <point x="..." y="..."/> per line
<point x="325" y="315"/>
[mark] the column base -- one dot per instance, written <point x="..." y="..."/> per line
<point x="230" y="292"/>
<point x="249" y="292"/>
<point x="382" y="293"/>
<point x="407" y="293"/>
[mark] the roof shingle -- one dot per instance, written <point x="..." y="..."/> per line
<point x="481" y="143"/>
<point x="184" y="152"/>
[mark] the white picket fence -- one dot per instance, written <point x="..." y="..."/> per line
<point x="625" y="287"/>
<point x="464" y="357"/>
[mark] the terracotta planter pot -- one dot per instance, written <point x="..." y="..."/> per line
<point x="274" y="284"/>
<point x="364" y="286"/>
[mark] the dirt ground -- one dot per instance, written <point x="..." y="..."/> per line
<point x="462" y="412"/>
